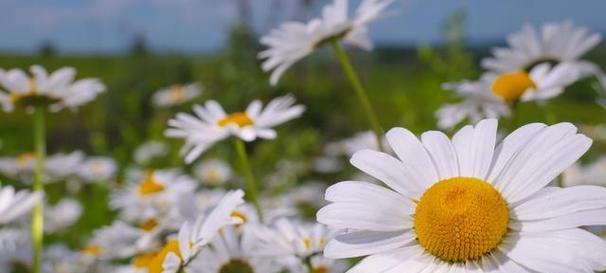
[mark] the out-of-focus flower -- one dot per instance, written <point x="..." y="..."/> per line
<point x="321" y="264"/>
<point x="554" y="43"/>
<point x="213" y="172"/>
<point x="14" y="204"/>
<point x="211" y="124"/>
<point x="592" y="174"/>
<point x="469" y="203"/>
<point x="98" y="169"/>
<point x="151" y="194"/>
<point x="194" y="236"/>
<point x="176" y="94"/>
<point x="117" y="241"/>
<point x="149" y="151"/>
<point x="490" y="97"/>
<point x="57" y="90"/>
<point x="62" y="215"/>
<point x="56" y="167"/>
<point x="293" y="41"/>
<point x="230" y="252"/>
<point x="15" y="248"/>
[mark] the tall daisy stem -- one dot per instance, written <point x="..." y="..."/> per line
<point x="251" y="183"/>
<point x="309" y="265"/>
<point x="38" y="213"/>
<point x="359" y="90"/>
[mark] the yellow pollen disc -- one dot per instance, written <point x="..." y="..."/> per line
<point x="149" y="186"/>
<point x="149" y="225"/>
<point x="24" y="159"/>
<point x="176" y="93"/>
<point x="307" y="242"/>
<point x="15" y="97"/>
<point x="460" y="219"/>
<point x="321" y="269"/>
<point x="144" y="260"/>
<point x="155" y="266"/>
<point x="511" y="86"/>
<point x="212" y="176"/>
<point x="93" y="250"/>
<point x="239" y="118"/>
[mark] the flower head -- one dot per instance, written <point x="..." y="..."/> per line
<point x="14" y="204"/>
<point x="176" y="94"/>
<point x="212" y="124"/>
<point x="293" y="41"/>
<point x="469" y="204"/>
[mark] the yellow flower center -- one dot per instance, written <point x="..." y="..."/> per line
<point x="321" y="269"/>
<point x="511" y="86"/>
<point x="212" y="176"/>
<point x="155" y="265"/>
<point x="149" y="225"/>
<point x="239" y="118"/>
<point x="236" y="266"/>
<point x="149" y="185"/>
<point x="26" y="158"/>
<point x="144" y="260"/>
<point x="93" y="250"/>
<point x="307" y="242"/>
<point x="460" y="219"/>
<point x="176" y="93"/>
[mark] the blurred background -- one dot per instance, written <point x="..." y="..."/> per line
<point x="137" y="47"/>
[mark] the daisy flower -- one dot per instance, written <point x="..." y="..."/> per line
<point x="468" y="204"/>
<point x="293" y="41"/>
<point x="491" y="96"/>
<point x="230" y="252"/>
<point x="57" y="90"/>
<point x="14" y="204"/>
<point x="15" y="248"/>
<point x="56" y="167"/>
<point x="176" y="94"/>
<point x="98" y="169"/>
<point x="150" y="150"/>
<point x="211" y="124"/>
<point x="62" y="215"/>
<point x="194" y="236"/>
<point x="117" y="241"/>
<point x="553" y="43"/>
<point x="213" y="172"/>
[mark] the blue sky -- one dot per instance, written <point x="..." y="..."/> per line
<point x="200" y="25"/>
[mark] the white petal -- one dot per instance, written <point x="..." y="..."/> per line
<point x="475" y="148"/>
<point x="362" y="243"/>
<point x="442" y="152"/>
<point x="414" y="156"/>
<point x="375" y="217"/>
<point x="558" y="202"/>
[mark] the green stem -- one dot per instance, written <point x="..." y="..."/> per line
<point x="359" y="90"/>
<point x="310" y="267"/>
<point x="38" y="214"/>
<point x="251" y="183"/>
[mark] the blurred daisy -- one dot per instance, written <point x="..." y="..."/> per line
<point x="150" y="150"/>
<point x="194" y="236"/>
<point x="230" y="252"/>
<point x="213" y="172"/>
<point x="57" y="90"/>
<point x="360" y="141"/>
<point x="293" y="41"/>
<point x="14" y="204"/>
<point x="321" y="264"/>
<point x="150" y="194"/>
<point x="211" y="124"/>
<point x="176" y="94"/>
<point x="290" y="238"/>
<point x="593" y="173"/>
<point x="56" y="167"/>
<point x="467" y="204"/>
<point x="62" y="215"/>
<point x="117" y="241"/>
<point x="98" y="169"/>
<point x="491" y="96"/>
<point x="554" y="43"/>
<point x="15" y="249"/>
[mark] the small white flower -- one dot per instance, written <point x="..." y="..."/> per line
<point x="15" y="248"/>
<point x="176" y="94"/>
<point x="149" y="151"/>
<point x="62" y="215"/>
<point x="469" y="204"/>
<point x="211" y="124"/>
<point x="490" y="97"/>
<point x="116" y="241"/>
<point x="57" y="90"/>
<point x="98" y="169"/>
<point x="293" y="41"/>
<point x="14" y="204"/>
<point x="553" y="43"/>
<point x="213" y="172"/>
<point x="56" y="167"/>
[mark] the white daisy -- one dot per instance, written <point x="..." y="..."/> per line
<point x="62" y="215"/>
<point x="490" y="96"/>
<point x="57" y="90"/>
<point x="176" y="94"/>
<point x="360" y="141"/>
<point x="230" y="251"/>
<point x="553" y="43"/>
<point x="194" y="236"/>
<point x="213" y="172"/>
<point x="117" y="241"/>
<point x="56" y="167"/>
<point x="14" y="204"/>
<point x="15" y="249"/>
<point x="98" y="169"/>
<point x="212" y="124"/>
<point x="293" y="41"/>
<point x="469" y="205"/>
<point x="150" y="150"/>
<point x="151" y="194"/>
